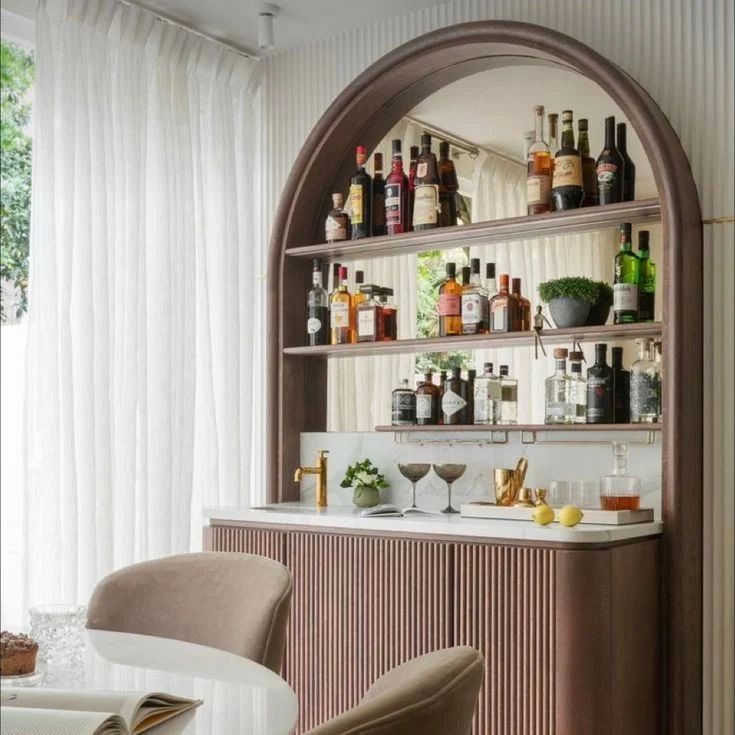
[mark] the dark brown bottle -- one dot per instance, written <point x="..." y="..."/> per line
<point x="589" y="167"/>
<point x="629" y="166"/>
<point x="522" y="318"/>
<point x="567" y="190"/>
<point x="414" y="154"/>
<point x="428" y="402"/>
<point x="448" y="187"/>
<point x="378" y="208"/>
<point x="361" y="198"/>
<point x="453" y="403"/>
<point x="621" y="388"/>
<point x="600" y="409"/>
<point x="426" y="188"/>
<point x="610" y="168"/>
<point x="469" y="410"/>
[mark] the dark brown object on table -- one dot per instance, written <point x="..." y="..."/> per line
<point x="17" y="654"/>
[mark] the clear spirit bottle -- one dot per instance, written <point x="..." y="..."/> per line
<point x="620" y="491"/>
<point x="645" y="386"/>
<point x="508" y="397"/>
<point x="486" y="390"/>
<point x="577" y="389"/>
<point x="558" y="405"/>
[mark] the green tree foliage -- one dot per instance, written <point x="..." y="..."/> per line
<point x="17" y="69"/>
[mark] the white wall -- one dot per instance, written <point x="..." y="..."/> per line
<point x="681" y="51"/>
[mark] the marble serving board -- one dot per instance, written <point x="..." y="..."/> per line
<point x="590" y="515"/>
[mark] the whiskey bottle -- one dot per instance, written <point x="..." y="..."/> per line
<point x="553" y="150"/>
<point x="610" y="168"/>
<point x="474" y="303"/>
<point x="627" y="273"/>
<point x="342" y="313"/>
<point x="337" y="226"/>
<point x="378" y="208"/>
<point x="403" y="405"/>
<point x="538" y="176"/>
<point x="621" y="388"/>
<point x="577" y="389"/>
<point x="361" y="197"/>
<point x="414" y="153"/>
<point x="600" y="389"/>
<point x="466" y="272"/>
<point x="390" y="314"/>
<point x="426" y="188"/>
<point x="628" y="165"/>
<point x="567" y="190"/>
<point x="490" y="286"/>
<point x="396" y="195"/>
<point x="646" y="279"/>
<point x="523" y="305"/>
<point x="428" y="402"/>
<point x="487" y="397"/>
<point x="557" y="389"/>
<point x="508" y="397"/>
<point x="359" y="296"/>
<point x="589" y="166"/>
<point x="453" y="402"/>
<point x="317" y="308"/>
<point x="450" y="304"/>
<point x="369" y="316"/>
<point x="501" y="308"/>
<point x="645" y="386"/>
<point x="448" y="187"/>
<point x="335" y="279"/>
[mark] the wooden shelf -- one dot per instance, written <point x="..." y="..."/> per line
<point x="515" y="428"/>
<point x="481" y="341"/>
<point x="587" y="219"/>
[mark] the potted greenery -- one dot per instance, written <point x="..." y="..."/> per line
<point x="569" y="299"/>
<point x="366" y="482"/>
<point x="600" y="310"/>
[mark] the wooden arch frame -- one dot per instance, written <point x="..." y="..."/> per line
<point x="363" y="113"/>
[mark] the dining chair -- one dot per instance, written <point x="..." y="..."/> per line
<point x="434" y="694"/>
<point x="234" y="602"/>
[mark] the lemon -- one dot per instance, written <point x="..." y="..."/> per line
<point x="543" y="515"/>
<point x="570" y="515"/>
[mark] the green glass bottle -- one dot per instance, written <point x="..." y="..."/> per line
<point x="625" y="287"/>
<point x="646" y="279"/>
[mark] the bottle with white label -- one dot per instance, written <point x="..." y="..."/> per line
<point x="317" y="307"/>
<point x="453" y="400"/>
<point x="369" y="315"/>
<point x="474" y="303"/>
<point x="426" y="205"/>
<point x="428" y="402"/>
<point x="558" y="405"/>
<point x="508" y="397"/>
<point x="627" y="273"/>
<point x="645" y="386"/>
<point x="337" y="226"/>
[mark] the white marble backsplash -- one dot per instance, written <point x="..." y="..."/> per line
<point x="546" y="462"/>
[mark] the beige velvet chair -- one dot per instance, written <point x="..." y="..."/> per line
<point x="234" y="602"/>
<point x="434" y="694"/>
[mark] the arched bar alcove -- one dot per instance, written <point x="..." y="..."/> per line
<point x="363" y="113"/>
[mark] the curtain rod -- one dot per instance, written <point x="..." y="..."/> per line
<point x="457" y="142"/>
<point x="247" y="53"/>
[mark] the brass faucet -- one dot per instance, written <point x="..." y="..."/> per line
<point x="321" y="476"/>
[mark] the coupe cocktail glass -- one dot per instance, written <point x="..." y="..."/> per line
<point x="414" y="472"/>
<point x="450" y="473"/>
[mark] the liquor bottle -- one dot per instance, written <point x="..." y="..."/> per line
<point x="335" y="279"/>
<point x="396" y="195"/>
<point x="428" y="402"/>
<point x="448" y="187"/>
<point x="557" y="399"/>
<point x="645" y="386"/>
<point x="523" y="317"/>
<point x="508" y="397"/>
<point x="620" y="491"/>
<point x="553" y="150"/>
<point x="538" y="169"/>
<point x="403" y="405"/>
<point x="337" y="226"/>
<point x="628" y="167"/>
<point x="577" y="389"/>
<point x="627" y="275"/>
<point x="378" y="208"/>
<point x="342" y="313"/>
<point x="487" y="397"/>
<point x="442" y="379"/>
<point x="450" y="304"/>
<point x="589" y="166"/>
<point x="452" y="401"/>
<point x="621" y="388"/>
<point x="426" y="188"/>
<point x="610" y="168"/>
<point x="466" y="272"/>
<point x="646" y="279"/>
<point x="600" y="389"/>
<point x="414" y="153"/>
<point x="470" y="409"/>
<point x="317" y="322"/>
<point x="359" y="296"/>
<point x="474" y="303"/>
<point x="490" y="285"/>
<point x="390" y="314"/>
<point x="501" y="308"/>
<point x="361" y="198"/>
<point x="369" y="312"/>
<point x="566" y="188"/>
<point x="528" y="137"/>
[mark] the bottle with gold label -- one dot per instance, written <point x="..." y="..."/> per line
<point x="337" y="226"/>
<point x="450" y="304"/>
<point x="361" y="198"/>
<point x="567" y="188"/>
<point x="426" y="188"/>
<point x="342" y="313"/>
<point x="538" y="178"/>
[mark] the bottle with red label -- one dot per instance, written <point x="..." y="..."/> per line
<point x="450" y="304"/>
<point x="396" y="195"/>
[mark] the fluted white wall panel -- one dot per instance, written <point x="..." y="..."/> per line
<point x="681" y="51"/>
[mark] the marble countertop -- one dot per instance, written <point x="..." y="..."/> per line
<point x="349" y="518"/>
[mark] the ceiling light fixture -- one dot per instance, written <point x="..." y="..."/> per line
<point x="265" y="26"/>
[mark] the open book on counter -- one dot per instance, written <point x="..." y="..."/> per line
<point x="385" y="510"/>
<point x="27" y="711"/>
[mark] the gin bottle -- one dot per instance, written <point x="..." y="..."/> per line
<point x="645" y="386"/>
<point x="577" y="389"/>
<point x="403" y="405"/>
<point x="508" y="397"/>
<point x="558" y="406"/>
<point x="600" y="389"/>
<point x="487" y="398"/>
<point x="621" y="388"/>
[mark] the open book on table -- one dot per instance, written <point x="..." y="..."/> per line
<point x="386" y="510"/>
<point x="27" y="711"/>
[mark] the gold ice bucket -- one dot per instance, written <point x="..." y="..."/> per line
<point x="509" y="482"/>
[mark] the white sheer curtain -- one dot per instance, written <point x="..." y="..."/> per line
<point x="360" y="388"/>
<point x="499" y="191"/>
<point x="145" y="276"/>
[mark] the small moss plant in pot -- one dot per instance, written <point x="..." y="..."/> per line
<point x="569" y="300"/>
<point x="366" y="483"/>
<point x="600" y="310"/>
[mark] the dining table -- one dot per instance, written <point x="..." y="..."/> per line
<point x="239" y="696"/>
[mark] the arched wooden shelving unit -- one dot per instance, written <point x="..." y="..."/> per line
<point x="363" y="113"/>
